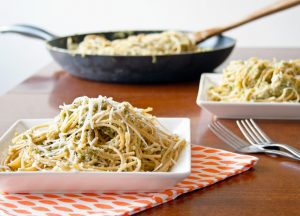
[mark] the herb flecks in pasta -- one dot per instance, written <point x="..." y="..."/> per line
<point x="95" y="134"/>
<point x="164" y="43"/>
<point x="257" y="80"/>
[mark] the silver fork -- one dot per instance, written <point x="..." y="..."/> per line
<point x="254" y="134"/>
<point x="239" y="144"/>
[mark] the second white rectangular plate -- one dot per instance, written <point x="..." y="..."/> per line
<point x="238" y="110"/>
<point x="79" y="182"/>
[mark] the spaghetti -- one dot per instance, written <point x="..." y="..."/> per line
<point x="169" y="42"/>
<point x="257" y="80"/>
<point x="95" y="134"/>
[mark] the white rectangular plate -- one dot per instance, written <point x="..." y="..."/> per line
<point x="236" y="110"/>
<point x="79" y="182"/>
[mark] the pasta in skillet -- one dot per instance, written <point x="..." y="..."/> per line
<point x="169" y="42"/>
<point x="95" y="134"/>
<point x="259" y="80"/>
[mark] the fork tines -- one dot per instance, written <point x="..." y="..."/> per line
<point x="252" y="132"/>
<point x="227" y="136"/>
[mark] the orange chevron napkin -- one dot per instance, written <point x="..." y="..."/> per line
<point x="209" y="166"/>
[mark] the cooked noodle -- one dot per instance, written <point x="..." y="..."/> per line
<point x="169" y="42"/>
<point x="259" y="80"/>
<point x="95" y="134"/>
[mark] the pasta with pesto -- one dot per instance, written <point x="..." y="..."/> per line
<point x="95" y="134"/>
<point x="168" y="42"/>
<point x="258" y="80"/>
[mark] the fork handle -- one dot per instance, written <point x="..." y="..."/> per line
<point x="288" y="148"/>
<point x="285" y="154"/>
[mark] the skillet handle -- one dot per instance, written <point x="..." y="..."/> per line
<point x="29" y="31"/>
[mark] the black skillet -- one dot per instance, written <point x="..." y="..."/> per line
<point x="146" y="69"/>
<point x="130" y="69"/>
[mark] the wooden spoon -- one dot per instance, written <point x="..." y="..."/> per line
<point x="276" y="7"/>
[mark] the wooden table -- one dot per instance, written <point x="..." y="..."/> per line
<point x="271" y="188"/>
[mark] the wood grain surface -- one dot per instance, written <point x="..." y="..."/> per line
<point x="271" y="188"/>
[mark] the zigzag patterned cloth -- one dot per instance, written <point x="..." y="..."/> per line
<point x="209" y="166"/>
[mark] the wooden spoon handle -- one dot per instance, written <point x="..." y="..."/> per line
<point x="278" y="6"/>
